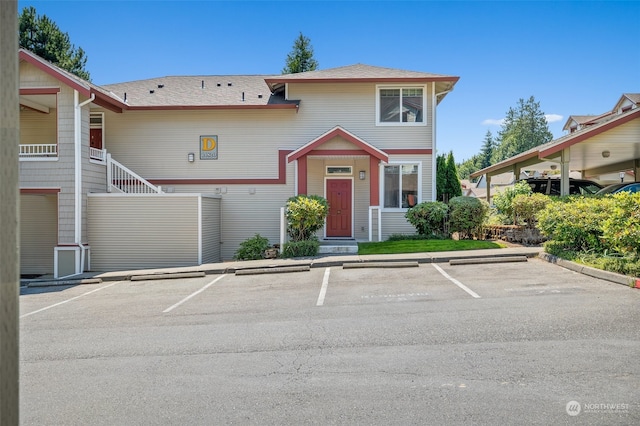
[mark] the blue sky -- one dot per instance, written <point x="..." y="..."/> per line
<point x="574" y="57"/>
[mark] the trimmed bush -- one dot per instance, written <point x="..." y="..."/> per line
<point x="575" y="223"/>
<point x="503" y="201"/>
<point x="305" y="215"/>
<point x="301" y="248"/>
<point x="621" y="230"/>
<point x="252" y="248"/>
<point x="467" y="215"/>
<point x="526" y="207"/>
<point x="429" y="218"/>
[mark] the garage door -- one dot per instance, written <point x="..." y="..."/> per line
<point x="38" y="233"/>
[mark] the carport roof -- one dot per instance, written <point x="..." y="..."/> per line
<point x="543" y="156"/>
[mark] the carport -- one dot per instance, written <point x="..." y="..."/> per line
<point x="610" y="143"/>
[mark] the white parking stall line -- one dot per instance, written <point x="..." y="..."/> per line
<point x="68" y="300"/>
<point x="195" y="293"/>
<point x="323" y="289"/>
<point x="456" y="282"/>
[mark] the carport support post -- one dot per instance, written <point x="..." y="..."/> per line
<point x="9" y="212"/>
<point x="564" y="171"/>
<point x="636" y="170"/>
<point x="488" y="179"/>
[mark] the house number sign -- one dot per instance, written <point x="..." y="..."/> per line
<point x="209" y="147"/>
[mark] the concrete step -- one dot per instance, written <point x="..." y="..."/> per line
<point x="338" y="249"/>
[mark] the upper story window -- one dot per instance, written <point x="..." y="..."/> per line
<point x="401" y="106"/>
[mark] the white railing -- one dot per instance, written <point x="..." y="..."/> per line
<point x="42" y="150"/>
<point x="98" y="154"/>
<point x="121" y="179"/>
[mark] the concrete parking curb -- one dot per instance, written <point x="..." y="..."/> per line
<point x="167" y="276"/>
<point x="592" y="272"/>
<point x="274" y="270"/>
<point x="382" y="265"/>
<point x="482" y="260"/>
<point x="64" y="282"/>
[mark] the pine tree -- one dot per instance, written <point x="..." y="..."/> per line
<point x="486" y="152"/>
<point x="524" y="128"/>
<point x="41" y="35"/>
<point x="300" y="59"/>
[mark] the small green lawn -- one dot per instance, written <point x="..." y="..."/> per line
<point x="419" y="246"/>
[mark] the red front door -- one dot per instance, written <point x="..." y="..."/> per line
<point x="339" y="198"/>
<point x="95" y="138"/>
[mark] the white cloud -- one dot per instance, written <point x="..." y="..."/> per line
<point x="493" y="122"/>
<point x="552" y="118"/>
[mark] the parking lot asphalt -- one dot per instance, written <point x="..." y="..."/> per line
<point x="437" y="343"/>
<point x="372" y="261"/>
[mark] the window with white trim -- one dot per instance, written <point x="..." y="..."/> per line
<point x="401" y="106"/>
<point x="400" y="185"/>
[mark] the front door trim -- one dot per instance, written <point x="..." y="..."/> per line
<point x="351" y="225"/>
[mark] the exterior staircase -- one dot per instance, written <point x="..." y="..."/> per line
<point x="124" y="180"/>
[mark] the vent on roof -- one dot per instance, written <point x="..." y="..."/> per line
<point x="152" y="91"/>
<point x="203" y="84"/>
<point x="260" y="96"/>
<point x="242" y="96"/>
<point x="125" y="96"/>
<point x="160" y="86"/>
<point x="229" y="84"/>
<point x="218" y="84"/>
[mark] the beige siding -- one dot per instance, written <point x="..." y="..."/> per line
<point x="353" y="106"/>
<point x="156" y="144"/>
<point x="395" y="223"/>
<point x="135" y="231"/>
<point x="211" y="232"/>
<point x="38" y="128"/>
<point x="38" y="233"/>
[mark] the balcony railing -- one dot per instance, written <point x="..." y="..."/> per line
<point x="99" y="155"/>
<point x="38" y="151"/>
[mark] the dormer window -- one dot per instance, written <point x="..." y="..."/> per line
<point x="401" y="106"/>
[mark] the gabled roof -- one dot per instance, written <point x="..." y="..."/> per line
<point x="633" y="98"/>
<point x="361" y="73"/>
<point x="102" y="97"/>
<point x="344" y="134"/>
<point x="194" y="92"/>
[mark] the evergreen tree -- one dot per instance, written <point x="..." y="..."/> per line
<point x="524" y="128"/>
<point x="486" y="152"/>
<point x="441" y="177"/>
<point x="452" y="185"/>
<point x="300" y="59"/>
<point x="41" y="35"/>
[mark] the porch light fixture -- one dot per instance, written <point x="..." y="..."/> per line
<point x="621" y="177"/>
<point x="606" y="154"/>
<point x="363" y="174"/>
<point x="191" y="157"/>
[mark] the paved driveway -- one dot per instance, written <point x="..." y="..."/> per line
<point x="514" y="343"/>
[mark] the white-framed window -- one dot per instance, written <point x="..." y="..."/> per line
<point x="339" y="170"/>
<point x="401" y="185"/>
<point x="401" y="105"/>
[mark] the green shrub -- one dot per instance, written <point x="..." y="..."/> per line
<point x="300" y="248"/>
<point x="503" y="200"/>
<point x="526" y="207"/>
<point x="576" y="222"/>
<point x="252" y="248"/>
<point x="428" y="218"/>
<point x="467" y="215"/>
<point x="305" y="215"/>
<point x="621" y="230"/>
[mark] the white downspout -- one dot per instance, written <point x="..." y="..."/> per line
<point x="77" y="121"/>
<point x="434" y="154"/>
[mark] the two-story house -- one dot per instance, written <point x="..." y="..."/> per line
<point x="175" y="171"/>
